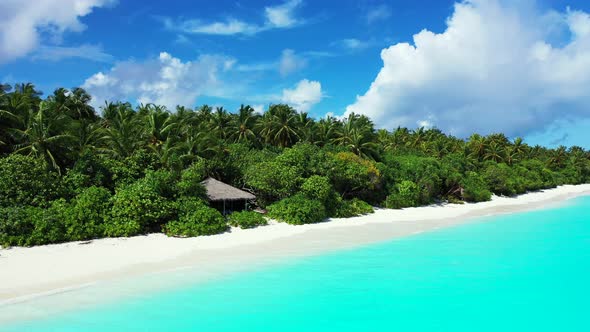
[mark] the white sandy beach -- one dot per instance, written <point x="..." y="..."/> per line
<point x="38" y="270"/>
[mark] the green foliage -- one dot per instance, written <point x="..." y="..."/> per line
<point x="85" y="216"/>
<point x="406" y="194"/>
<point x="88" y="171"/>
<point x="59" y="162"/>
<point x="272" y="181"/>
<point x="353" y="175"/>
<point x="297" y="210"/>
<point x="30" y="225"/>
<point x="246" y="219"/>
<point x="352" y="208"/>
<point x="195" y="219"/>
<point x="502" y="180"/>
<point x="26" y="181"/>
<point x="425" y="172"/>
<point x="318" y="188"/>
<point x="162" y="182"/>
<point x="190" y="180"/>
<point x="475" y="188"/>
<point x="132" y="168"/>
<point x="305" y="157"/>
<point x="140" y="207"/>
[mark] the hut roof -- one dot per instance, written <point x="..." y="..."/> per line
<point x="218" y="191"/>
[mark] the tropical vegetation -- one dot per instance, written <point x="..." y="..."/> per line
<point x="69" y="171"/>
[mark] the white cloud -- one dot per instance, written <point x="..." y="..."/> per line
<point x="282" y="16"/>
<point x="259" y="108"/>
<point x="24" y="23"/>
<point x="86" y="51"/>
<point x="354" y="44"/>
<point x="230" y="27"/>
<point x="305" y="94"/>
<point x="166" y="80"/>
<point x="493" y="69"/>
<point x="378" y="13"/>
<point x="276" y="17"/>
<point x="290" y="62"/>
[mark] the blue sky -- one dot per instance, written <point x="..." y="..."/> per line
<point x="520" y="67"/>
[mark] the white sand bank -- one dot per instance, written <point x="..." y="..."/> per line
<point x="28" y="271"/>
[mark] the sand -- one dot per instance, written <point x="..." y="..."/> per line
<point x="30" y="272"/>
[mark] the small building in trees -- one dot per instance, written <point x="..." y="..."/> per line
<point x="226" y="198"/>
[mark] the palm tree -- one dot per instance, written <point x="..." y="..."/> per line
<point x="39" y="139"/>
<point x="418" y="136"/>
<point x="89" y="137"/>
<point x="242" y="125"/>
<point x="558" y="157"/>
<point x="204" y="113"/>
<point x="495" y="152"/>
<point x="326" y="130"/>
<point x="123" y="130"/>
<point x="158" y="126"/>
<point x="358" y="136"/>
<point x="278" y="126"/>
<point x="476" y="146"/>
<point x="220" y="122"/>
<point x="305" y="126"/>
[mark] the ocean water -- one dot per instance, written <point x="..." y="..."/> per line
<point x="520" y="272"/>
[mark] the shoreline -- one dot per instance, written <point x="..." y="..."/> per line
<point x="28" y="273"/>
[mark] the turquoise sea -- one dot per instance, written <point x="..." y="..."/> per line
<point x="520" y="272"/>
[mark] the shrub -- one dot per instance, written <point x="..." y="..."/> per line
<point x="161" y="182"/>
<point x="426" y="172"/>
<point x="190" y="180"/>
<point x="406" y="194"/>
<point x="26" y="181"/>
<point x="297" y="210"/>
<point x="195" y="219"/>
<point x="88" y="171"/>
<point x="138" y="208"/>
<point x="353" y="175"/>
<point x="319" y="188"/>
<point x="17" y="225"/>
<point x="132" y="168"/>
<point x="30" y="225"/>
<point x="501" y="179"/>
<point x="272" y="180"/>
<point x="305" y="157"/>
<point x="352" y="208"/>
<point x="475" y="188"/>
<point x="85" y="217"/>
<point x="246" y="219"/>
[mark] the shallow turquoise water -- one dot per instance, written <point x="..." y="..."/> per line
<point x="520" y="272"/>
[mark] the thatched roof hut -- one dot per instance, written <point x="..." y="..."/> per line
<point x="219" y="193"/>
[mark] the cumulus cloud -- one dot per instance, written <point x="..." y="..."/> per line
<point x="166" y="80"/>
<point x="304" y="95"/>
<point x="496" y="67"/>
<point x="276" y="17"/>
<point x="24" y="23"/>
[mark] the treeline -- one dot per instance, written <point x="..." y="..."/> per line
<point x="70" y="173"/>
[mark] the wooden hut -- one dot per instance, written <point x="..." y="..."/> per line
<point x="226" y="198"/>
